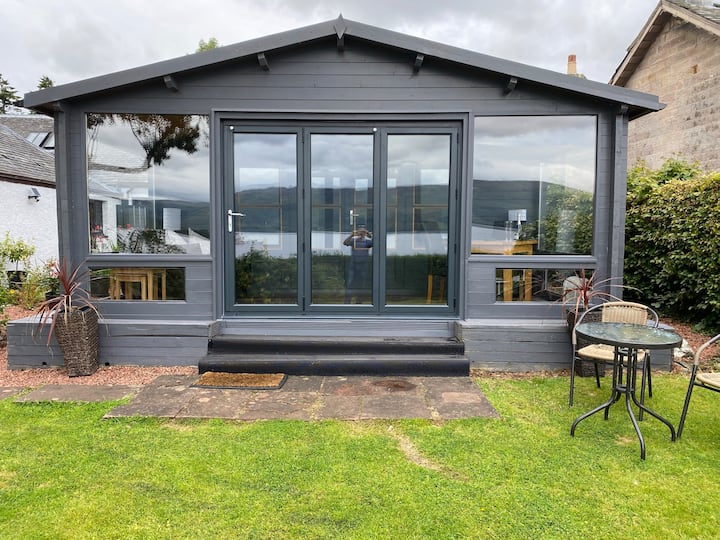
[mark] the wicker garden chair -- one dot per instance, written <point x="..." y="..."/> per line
<point x="600" y="354"/>
<point x="710" y="381"/>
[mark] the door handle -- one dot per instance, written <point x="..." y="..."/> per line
<point x="230" y="215"/>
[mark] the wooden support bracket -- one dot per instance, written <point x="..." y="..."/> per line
<point x="171" y="83"/>
<point x="263" y="62"/>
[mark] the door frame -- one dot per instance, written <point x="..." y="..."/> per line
<point x="381" y="126"/>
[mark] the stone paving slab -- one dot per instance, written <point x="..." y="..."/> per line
<point x="315" y="398"/>
<point x="9" y="391"/>
<point x="163" y="398"/>
<point x="78" y="392"/>
<point x="306" y="398"/>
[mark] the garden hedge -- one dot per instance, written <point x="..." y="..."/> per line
<point x="672" y="240"/>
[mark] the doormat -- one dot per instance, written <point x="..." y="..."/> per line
<point x="246" y="381"/>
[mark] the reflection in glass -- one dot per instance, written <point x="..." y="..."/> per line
<point x="148" y="183"/>
<point x="342" y="218"/>
<point x="133" y="283"/>
<point x="533" y="184"/>
<point x="265" y="224"/>
<point x="417" y="219"/>
<point x="536" y="284"/>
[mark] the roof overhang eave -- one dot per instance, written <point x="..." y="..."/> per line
<point x="49" y="99"/>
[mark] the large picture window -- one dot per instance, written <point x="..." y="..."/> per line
<point x="533" y="185"/>
<point x="148" y="183"/>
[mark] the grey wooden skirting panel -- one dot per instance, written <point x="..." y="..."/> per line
<point x="518" y="345"/>
<point x="122" y="342"/>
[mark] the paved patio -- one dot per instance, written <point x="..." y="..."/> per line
<point x="300" y="398"/>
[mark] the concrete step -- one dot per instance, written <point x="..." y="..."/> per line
<point x="442" y="365"/>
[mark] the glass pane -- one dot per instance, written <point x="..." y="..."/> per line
<point x="133" y="283"/>
<point x="538" y="284"/>
<point x="533" y="185"/>
<point x="265" y="199"/>
<point x="148" y="183"/>
<point x="417" y="219"/>
<point x="342" y="218"/>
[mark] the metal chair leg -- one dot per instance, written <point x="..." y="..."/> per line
<point x="572" y="378"/>
<point x="686" y="404"/>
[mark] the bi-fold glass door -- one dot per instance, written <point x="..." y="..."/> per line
<point x="342" y="220"/>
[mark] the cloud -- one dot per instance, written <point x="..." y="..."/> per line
<point x="78" y="39"/>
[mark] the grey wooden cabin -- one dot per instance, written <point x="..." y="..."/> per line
<point x="224" y="193"/>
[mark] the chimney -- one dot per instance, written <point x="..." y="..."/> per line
<point x="572" y="65"/>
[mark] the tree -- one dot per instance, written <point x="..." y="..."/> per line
<point x="45" y="82"/>
<point x="8" y="95"/>
<point x="208" y="45"/>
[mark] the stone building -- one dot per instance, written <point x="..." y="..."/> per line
<point x="676" y="56"/>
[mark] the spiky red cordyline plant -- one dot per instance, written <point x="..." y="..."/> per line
<point x="582" y="294"/>
<point x="71" y="298"/>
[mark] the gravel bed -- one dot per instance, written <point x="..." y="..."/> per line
<point x="120" y="375"/>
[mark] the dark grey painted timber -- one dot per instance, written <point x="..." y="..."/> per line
<point x="360" y="345"/>
<point x="353" y="33"/>
<point x="122" y="342"/>
<point x="395" y="364"/>
<point x="338" y="327"/>
<point x="516" y="344"/>
<point x="309" y="79"/>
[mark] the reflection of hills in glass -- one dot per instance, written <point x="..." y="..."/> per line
<point x="419" y="209"/>
<point x="558" y="217"/>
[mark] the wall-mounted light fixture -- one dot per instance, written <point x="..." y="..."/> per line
<point x="34" y="195"/>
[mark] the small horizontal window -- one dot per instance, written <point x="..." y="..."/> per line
<point x="138" y="283"/>
<point x="536" y="284"/>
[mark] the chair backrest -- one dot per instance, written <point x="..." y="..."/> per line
<point x="701" y="348"/>
<point x="628" y="312"/>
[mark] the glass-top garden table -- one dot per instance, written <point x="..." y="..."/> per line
<point x="627" y="339"/>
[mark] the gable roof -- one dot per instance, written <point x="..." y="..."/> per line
<point x="22" y="161"/>
<point x="25" y="124"/>
<point x="706" y="18"/>
<point x="639" y="103"/>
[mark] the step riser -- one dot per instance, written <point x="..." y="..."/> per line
<point x="425" y="366"/>
<point x="219" y="347"/>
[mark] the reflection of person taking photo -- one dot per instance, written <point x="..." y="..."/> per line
<point x="358" y="277"/>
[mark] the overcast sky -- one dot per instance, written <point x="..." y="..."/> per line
<point x="71" y="40"/>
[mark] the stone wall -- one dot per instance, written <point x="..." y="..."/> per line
<point x="682" y="67"/>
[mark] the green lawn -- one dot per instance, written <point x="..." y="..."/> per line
<point x="66" y="473"/>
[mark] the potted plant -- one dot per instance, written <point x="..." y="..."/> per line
<point x="72" y="317"/>
<point x="15" y="251"/>
<point x="582" y="290"/>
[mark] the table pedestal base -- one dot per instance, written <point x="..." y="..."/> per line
<point x="628" y="389"/>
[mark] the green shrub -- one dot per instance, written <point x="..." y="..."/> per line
<point x="673" y="241"/>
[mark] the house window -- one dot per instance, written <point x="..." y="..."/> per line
<point x="533" y="185"/>
<point x="539" y="284"/>
<point x="138" y="283"/>
<point x="148" y="183"/>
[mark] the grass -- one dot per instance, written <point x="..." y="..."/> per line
<point x="67" y="473"/>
